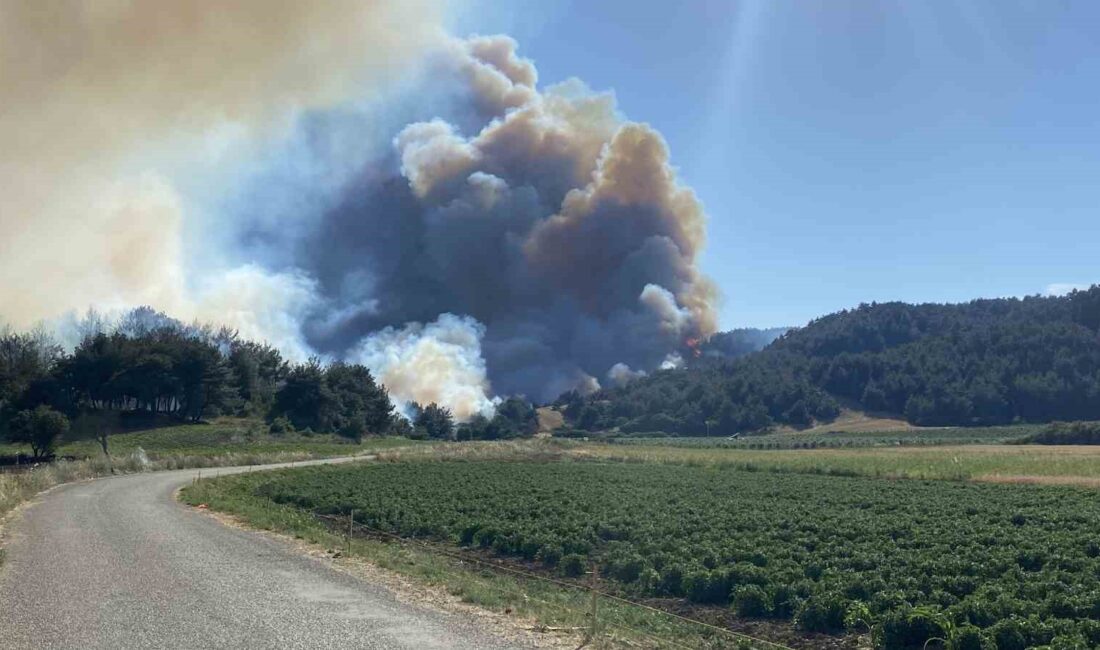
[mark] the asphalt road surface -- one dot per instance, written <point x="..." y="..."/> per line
<point x="118" y="563"/>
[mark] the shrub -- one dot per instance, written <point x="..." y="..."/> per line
<point x="672" y="580"/>
<point x="885" y="601"/>
<point x="572" y="565"/>
<point x="708" y="587"/>
<point x="400" y="427"/>
<point x="858" y="617"/>
<point x="280" y="426"/>
<point x="1016" y="633"/>
<point x="969" y="637"/>
<point x="626" y="568"/>
<point x="786" y="598"/>
<point x="822" y="613"/>
<point x="911" y="629"/>
<point x="1069" y="642"/>
<point x="40" y="428"/>
<point x="550" y="554"/>
<point x="745" y="573"/>
<point x="751" y="601"/>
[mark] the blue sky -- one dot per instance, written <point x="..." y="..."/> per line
<point x="850" y="151"/>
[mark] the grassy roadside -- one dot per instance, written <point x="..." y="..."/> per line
<point x="223" y="444"/>
<point x="18" y="487"/>
<point x="224" y="435"/>
<point x="548" y="606"/>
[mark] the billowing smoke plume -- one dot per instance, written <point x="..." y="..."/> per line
<point x="556" y="225"/>
<point x="99" y="99"/>
<point x="438" y="362"/>
<point x="484" y="236"/>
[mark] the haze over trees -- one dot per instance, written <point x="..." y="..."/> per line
<point x="985" y="362"/>
<point x="149" y="366"/>
<point x="740" y="342"/>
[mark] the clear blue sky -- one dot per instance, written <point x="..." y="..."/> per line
<point x="851" y="151"/>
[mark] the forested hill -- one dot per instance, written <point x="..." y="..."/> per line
<point x="1034" y="359"/>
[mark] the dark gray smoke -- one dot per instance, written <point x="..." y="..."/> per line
<point x="549" y="233"/>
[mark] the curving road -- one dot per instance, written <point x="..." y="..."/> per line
<point x="118" y="563"/>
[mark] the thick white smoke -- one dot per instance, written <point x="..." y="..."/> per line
<point x="437" y="362"/>
<point x="621" y="374"/>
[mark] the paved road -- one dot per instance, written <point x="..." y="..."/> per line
<point x="118" y="563"/>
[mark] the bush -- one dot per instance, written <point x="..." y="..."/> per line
<point x="40" y="428"/>
<point x="822" y="613"/>
<point x="400" y="427"/>
<point x="707" y="587"/>
<point x="1068" y="642"/>
<point x="1017" y="633"/>
<point x="911" y="629"/>
<point x="280" y="426"/>
<point x="550" y="554"/>
<point x="751" y="601"/>
<point x="969" y="637"/>
<point x="573" y="565"/>
<point x="672" y="580"/>
<point x="786" y="599"/>
<point x="626" y="568"/>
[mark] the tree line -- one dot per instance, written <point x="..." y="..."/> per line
<point x="515" y="417"/>
<point x="748" y="394"/>
<point x="986" y="362"/>
<point x="150" y="366"/>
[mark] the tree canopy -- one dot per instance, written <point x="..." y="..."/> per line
<point x="985" y="362"/>
<point x="151" y="364"/>
<point x="40" y="428"/>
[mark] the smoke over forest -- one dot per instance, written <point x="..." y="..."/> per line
<point x="418" y="204"/>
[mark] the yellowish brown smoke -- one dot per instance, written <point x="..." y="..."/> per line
<point x="94" y="91"/>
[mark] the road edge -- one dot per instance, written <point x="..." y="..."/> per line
<point x="404" y="588"/>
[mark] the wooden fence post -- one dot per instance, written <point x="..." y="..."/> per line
<point x="594" y="630"/>
<point x="351" y="522"/>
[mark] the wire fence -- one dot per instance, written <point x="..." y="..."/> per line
<point x="598" y="629"/>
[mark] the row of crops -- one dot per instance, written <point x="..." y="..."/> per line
<point x="842" y="439"/>
<point x="986" y="566"/>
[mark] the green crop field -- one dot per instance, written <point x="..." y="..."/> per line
<point x="912" y="560"/>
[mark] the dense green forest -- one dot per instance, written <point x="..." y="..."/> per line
<point x="148" y="369"/>
<point x="985" y="362"/>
